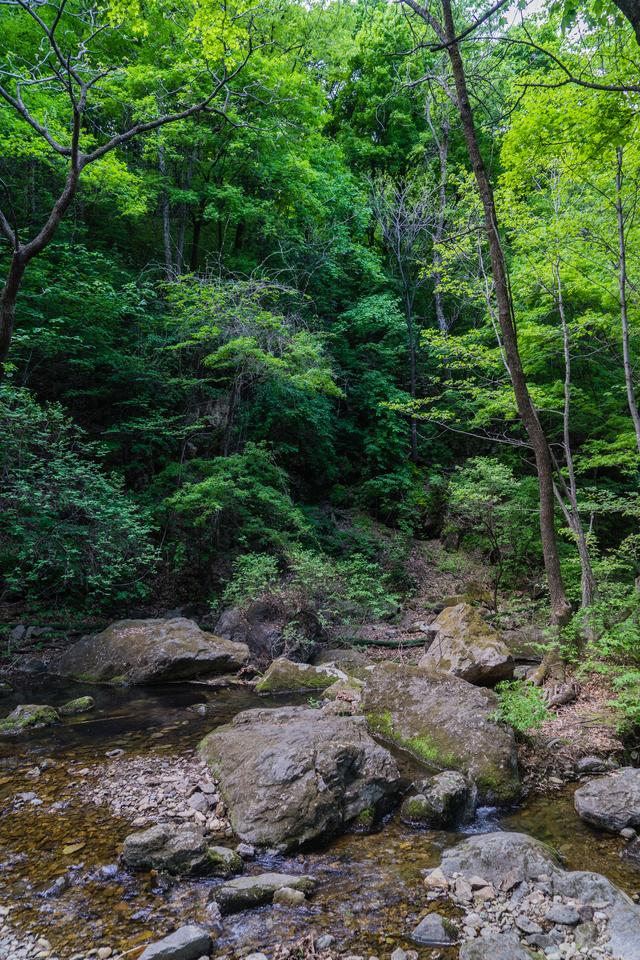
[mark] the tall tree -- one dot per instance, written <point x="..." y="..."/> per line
<point x="449" y="38"/>
<point x="75" y="62"/>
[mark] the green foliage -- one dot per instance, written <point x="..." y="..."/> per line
<point x="495" y="512"/>
<point x="253" y="574"/>
<point x="69" y="533"/>
<point x="521" y="705"/>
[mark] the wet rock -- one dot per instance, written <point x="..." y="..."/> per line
<point x="435" y="931"/>
<point x="262" y="626"/>
<point x="79" y="705"/>
<point x="496" y="946"/>
<point x="223" y="862"/>
<point x="294" y="774"/>
<point x="188" y="943"/>
<point x="289" y="897"/>
<point x="286" y="676"/>
<point x="447" y="721"/>
<point x="167" y="846"/>
<point x="467" y="647"/>
<point x="631" y="853"/>
<point x="441" y="801"/>
<point x="246" y="892"/>
<point x="150" y="651"/>
<point x="612" y="802"/>
<point x="28" y="715"/>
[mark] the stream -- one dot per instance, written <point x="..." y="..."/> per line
<point x="370" y="892"/>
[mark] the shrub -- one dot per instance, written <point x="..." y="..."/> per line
<point x="521" y="705"/>
<point x="67" y="528"/>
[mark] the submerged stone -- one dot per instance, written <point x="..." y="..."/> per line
<point x="246" y="892"/>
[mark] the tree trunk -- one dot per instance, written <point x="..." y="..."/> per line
<point x="624" y="317"/>
<point x="560" y="609"/>
<point x="587" y="578"/>
<point x="166" y="217"/>
<point x="8" y="305"/>
<point x="443" y="151"/>
<point x="631" y="10"/>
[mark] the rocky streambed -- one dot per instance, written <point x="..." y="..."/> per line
<point x="342" y="810"/>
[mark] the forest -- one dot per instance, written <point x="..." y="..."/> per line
<point x="319" y="320"/>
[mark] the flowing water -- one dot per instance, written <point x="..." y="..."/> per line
<point x="370" y="892"/>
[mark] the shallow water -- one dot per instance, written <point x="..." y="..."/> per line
<point x="370" y="891"/>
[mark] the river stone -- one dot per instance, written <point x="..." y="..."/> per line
<point x="496" y="855"/>
<point x="187" y="943"/>
<point x="286" y="676"/>
<point x="435" y="931"/>
<point x="441" y="801"/>
<point x="294" y="774"/>
<point x="497" y="946"/>
<point x="223" y="862"/>
<point x="166" y="846"/>
<point x="612" y="802"/>
<point x="150" y="651"/>
<point x="466" y="646"/>
<point x="27" y="715"/>
<point x="445" y="722"/>
<point x="79" y="705"/>
<point x="245" y="892"/>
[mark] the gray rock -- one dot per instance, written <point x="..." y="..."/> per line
<point x="612" y="802"/>
<point x="398" y="954"/>
<point x="495" y="946"/>
<point x="262" y="626"/>
<point x="435" y="931"/>
<point x="294" y="774"/>
<point x="150" y="651"/>
<point x="246" y="850"/>
<point x="286" y="676"/>
<point x="631" y="853"/>
<point x="324" y="942"/>
<point x="167" y="846"/>
<point x="441" y="801"/>
<point x="494" y="854"/>
<point x="467" y="647"/>
<point x="445" y="721"/>
<point x="591" y="765"/>
<point x="245" y="892"/>
<point x="564" y="914"/>
<point x="586" y="935"/>
<point x="289" y="897"/>
<point x="527" y="925"/>
<point x="187" y="943"/>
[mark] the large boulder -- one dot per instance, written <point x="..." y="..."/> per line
<point x="150" y="651"/>
<point x="295" y="774"/>
<point x="271" y="628"/>
<point x="286" y="676"/>
<point x="611" y="803"/>
<point x="465" y="645"/>
<point x="446" y="722"/>
<point x="511" y="858"/>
